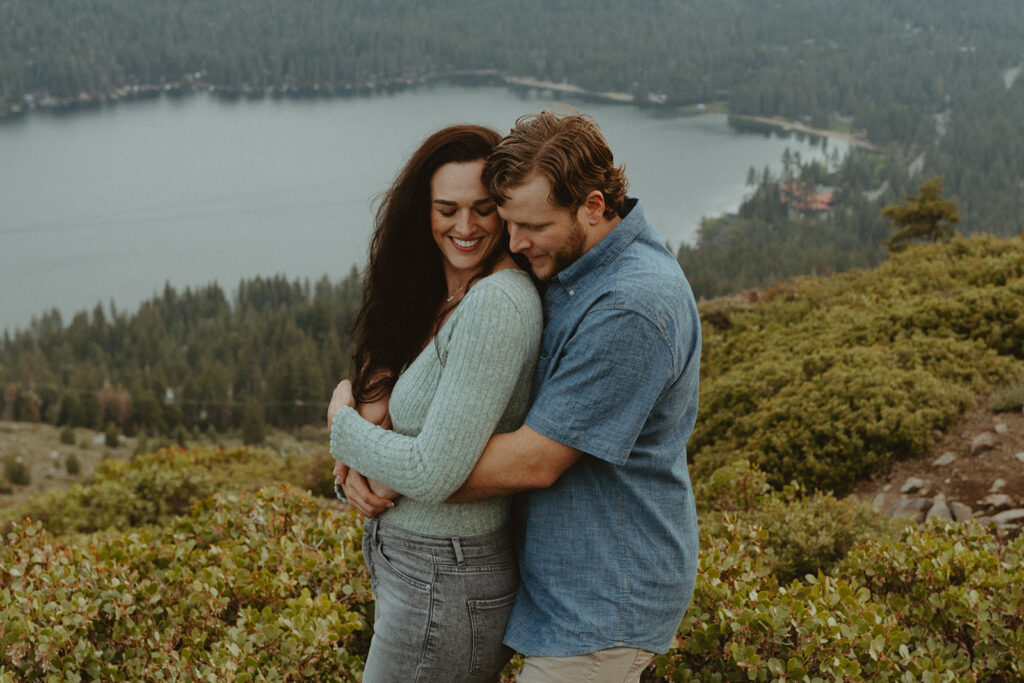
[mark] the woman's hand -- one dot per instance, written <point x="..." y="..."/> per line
<point x="341" y="398"/>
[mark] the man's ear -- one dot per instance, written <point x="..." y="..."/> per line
<point x="593" y="205"/>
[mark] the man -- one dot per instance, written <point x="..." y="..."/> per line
<point x="609" y="550"/>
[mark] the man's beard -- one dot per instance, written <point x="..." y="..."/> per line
<point x="573" y="249"/>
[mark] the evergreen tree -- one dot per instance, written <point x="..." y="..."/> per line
<point x="926" y="215"/>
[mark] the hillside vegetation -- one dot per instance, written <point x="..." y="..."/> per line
<point x="824" y="380"/>
<point x="178" y="561"/>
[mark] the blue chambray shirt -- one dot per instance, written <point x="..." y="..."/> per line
<point x="608" y="555"/>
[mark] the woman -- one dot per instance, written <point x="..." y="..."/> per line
<point x="447" y="341"/>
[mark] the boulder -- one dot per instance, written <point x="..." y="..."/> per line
<point x="997" y="486"/>
<point x="939" y="510"/>
<point x="1002" y="429"/>
<point x="983" y="442"/>
<point x="1020" y="456"/>
<point x="960" y="511"/>
<point x="914" y="508"/>
<point x="912" y="485"/>
<point x="996" y="501"/>
<point x="946" y="458"/>
<point x="1015" y="516"/>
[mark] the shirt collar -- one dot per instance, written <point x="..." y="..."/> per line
<point x="611" y="245"/>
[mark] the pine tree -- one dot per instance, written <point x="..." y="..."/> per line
<point x="926" y="215"/>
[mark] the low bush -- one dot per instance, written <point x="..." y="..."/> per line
<point x="254" y="586"/>
<point x="1008" y="398"/>
<point x="72" y="465"/>
<point x="67" y="435"/>
<point x="112" y="435"/>
<point x="16" y="471"/>
<point x="937" y="604"/>
<point x="956" y="589"/>
<point x="826" y="380"/>
<point x="270" y="585"/>
<point x="154" y="488"/>
<point x="799" y="533"/>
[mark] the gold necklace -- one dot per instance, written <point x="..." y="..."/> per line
<point x="452" y="295"/>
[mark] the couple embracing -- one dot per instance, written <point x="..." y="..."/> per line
<point x="528" y="361"/>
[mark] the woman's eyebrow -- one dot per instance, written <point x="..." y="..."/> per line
<point x="448" y="202"/>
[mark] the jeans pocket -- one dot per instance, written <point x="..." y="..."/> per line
<point x="487" y="623"/>
<point x="413" y="568"/>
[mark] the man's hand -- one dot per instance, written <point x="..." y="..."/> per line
<point x="341" y="398"/>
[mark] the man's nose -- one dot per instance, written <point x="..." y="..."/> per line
<point x="516" y="241"/>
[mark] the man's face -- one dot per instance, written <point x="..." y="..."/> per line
<point x="551" y="237"/>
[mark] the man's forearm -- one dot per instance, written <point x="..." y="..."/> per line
<point x="518" y="461"/>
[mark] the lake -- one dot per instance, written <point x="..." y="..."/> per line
<point x="108" y="204"/>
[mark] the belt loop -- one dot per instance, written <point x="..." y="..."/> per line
<point x="460" y="558"/>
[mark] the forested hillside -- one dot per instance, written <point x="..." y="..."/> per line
<point x="936" y="77"/>
<point x="191" y="359"/>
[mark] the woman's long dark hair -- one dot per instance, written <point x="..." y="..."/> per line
<point x="404" y="284"/>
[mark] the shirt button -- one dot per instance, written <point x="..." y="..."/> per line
<point x="572" y="292"/>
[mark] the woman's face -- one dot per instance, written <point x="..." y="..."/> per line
<point x="463" y="218"/>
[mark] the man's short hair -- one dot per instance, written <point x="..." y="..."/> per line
<point x="568" y="150"/>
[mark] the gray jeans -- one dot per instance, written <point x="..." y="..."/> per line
<point x="441" y="604"/>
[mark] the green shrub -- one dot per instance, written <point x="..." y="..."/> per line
<point x="67" y="435"/>
<point x="263" y="586"/>
<point x="112" y="435"/>
<point x="939" y="604"/>
<point x="1008" y="398"/>
<point x="72" y="465"/>
<point x="956" y="589"/>
<point x="827" y="380"/>
<point x="153" y="488"/>
<point x="16" y="471"/>
<point x="318" y="473"/>
<point x="799" y="534"/>
<point x="742" y="625"/>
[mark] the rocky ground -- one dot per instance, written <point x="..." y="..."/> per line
<point x="974" y="470"/>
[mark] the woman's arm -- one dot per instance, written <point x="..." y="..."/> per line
<point x="374" y="412"/>
<point x="488" y="348"/>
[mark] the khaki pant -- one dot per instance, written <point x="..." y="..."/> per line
<point x="615" y="665"/>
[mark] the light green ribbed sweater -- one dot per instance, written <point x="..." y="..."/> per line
<point x="471" y="381"/>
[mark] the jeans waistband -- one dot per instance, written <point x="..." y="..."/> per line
<point x="456" y="548"/>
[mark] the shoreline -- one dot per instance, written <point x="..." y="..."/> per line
<point x="316" y="90"/>
<point x="90" y="100"/>
<point x="796" y="127"/>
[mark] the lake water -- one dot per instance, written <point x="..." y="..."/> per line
<point x="109" y="204"/>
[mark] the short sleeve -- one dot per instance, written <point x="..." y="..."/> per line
<point x="598" y="392"/>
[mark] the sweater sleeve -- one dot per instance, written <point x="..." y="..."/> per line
<point x="487" y="350"/>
